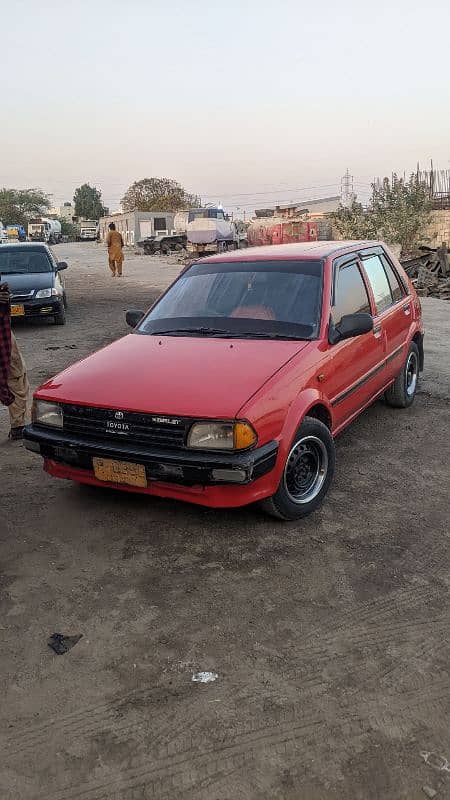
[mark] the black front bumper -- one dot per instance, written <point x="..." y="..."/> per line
<point x="45" y="307"/>
<point x="185" y="467"/>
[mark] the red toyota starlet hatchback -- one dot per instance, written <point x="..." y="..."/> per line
<point x="231" y="388"/>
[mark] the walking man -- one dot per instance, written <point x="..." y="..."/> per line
<point x="115" y="250"/>
<point x="13" y="375"/>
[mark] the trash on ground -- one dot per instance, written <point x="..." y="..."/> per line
<point x="438" y="762"/>
<point x="205" y="677"/>
<point x="61" y="644"/>
<point x="430" y="272"/>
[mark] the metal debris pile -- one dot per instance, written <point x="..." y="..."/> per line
<point x="430" y="272"/>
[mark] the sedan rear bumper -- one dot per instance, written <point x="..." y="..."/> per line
<point x="202" y="477"/>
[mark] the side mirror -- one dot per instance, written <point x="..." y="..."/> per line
<point x="350" y="325"/>
<point x="61" y="265"/>
<point x="133" y="317"/>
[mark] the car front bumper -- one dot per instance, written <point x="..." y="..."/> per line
<point x="215" y="479"/>
<point x="44" y="307"/>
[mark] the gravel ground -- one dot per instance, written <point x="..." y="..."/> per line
<point x="329" y="636"/>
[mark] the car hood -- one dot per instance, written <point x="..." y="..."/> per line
<point x="19" y="282"/>
<point x="181" y="376"/>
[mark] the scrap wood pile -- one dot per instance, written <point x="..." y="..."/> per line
<point x="430" y="272"/>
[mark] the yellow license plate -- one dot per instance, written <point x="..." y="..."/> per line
<point x="106" y="469"/>
<point x="17" y="311"/>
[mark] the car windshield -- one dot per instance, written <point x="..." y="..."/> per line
<point x="246" y="299"/>
<point x="22" y="262"/>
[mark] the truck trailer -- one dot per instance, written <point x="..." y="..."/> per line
<point x="44" y="230"/>
<point x="276" y="230"/>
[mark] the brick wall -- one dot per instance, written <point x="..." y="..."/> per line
<point x="439" y="228"/>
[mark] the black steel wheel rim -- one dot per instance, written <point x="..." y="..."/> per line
<point x="306" y="469"/>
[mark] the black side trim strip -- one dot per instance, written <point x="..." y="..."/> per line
<point x="356" y="386"/>
<point x="366" y="378"/>
<point x="394" y="354"/>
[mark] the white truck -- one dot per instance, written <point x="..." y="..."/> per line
<point x="3" y="234"/>
<point x="44" y="230"/>
<point x="88" y="230"/>
<point x="209" y="231"/>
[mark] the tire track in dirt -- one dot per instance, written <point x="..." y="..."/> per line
<point x="249" y="742"/>
<point x="95" y="719"/>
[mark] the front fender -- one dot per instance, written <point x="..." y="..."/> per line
<point x="276" y="422"/>
<point x="297" y="411"/>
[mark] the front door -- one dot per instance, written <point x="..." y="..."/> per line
<point x="357" y="364"/>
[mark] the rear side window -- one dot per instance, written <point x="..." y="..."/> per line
<point x="379" y="282"/>
<point x="397" y="290"/>
<point x="351" y="294"/>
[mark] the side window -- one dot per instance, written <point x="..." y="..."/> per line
<point x="351" y="294"/>
<point x="397" y="289"/>
<point x="379" y="282"/>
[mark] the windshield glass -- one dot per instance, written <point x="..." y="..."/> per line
<point x="271" y="299"/>
<point x="17" y="262"/>
<point x="205" y="213"/>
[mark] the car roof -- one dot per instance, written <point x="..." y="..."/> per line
<point x="24" y="246"/>
<point x="281" y="252"/>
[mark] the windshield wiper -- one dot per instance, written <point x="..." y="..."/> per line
<point x="263" y="335"/>
<point x="200" y="331"/>
<point x="204" y="331"/>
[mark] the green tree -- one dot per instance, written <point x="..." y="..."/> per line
<point x="353" y="222"/>
<point x="158" y="194"/>
<point x="399" y="213"/>
<point x="68" y="229"/>
<point x="88" y="203"/>
<point x="18" y="206"/>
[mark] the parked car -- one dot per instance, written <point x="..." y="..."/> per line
<point x="34" y="277"/>
<point x="231" y="389"/>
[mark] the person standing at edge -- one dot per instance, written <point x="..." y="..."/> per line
<point x="13" y="375"/>
<point x="115" y="250"/>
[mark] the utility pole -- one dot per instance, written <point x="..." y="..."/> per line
<point x="347" y="192"/>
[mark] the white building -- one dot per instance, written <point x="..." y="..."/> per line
<point x="66" y="211"/>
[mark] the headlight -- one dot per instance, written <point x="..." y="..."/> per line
<point x="46" y="293"/>
<point x="221" y="436"/>
<point x="47" y="414"/>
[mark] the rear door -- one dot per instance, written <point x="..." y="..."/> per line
<point x="357" y="365"/>
<point x="393" y="307"/>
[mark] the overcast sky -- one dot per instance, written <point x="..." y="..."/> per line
<point x="244" y="102"/>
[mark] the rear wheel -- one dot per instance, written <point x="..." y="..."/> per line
<point x="307" y="473"/>
<point x="403" y="391"/>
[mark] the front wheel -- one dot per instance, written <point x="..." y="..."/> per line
<point x="403" y="391"/>
<point x="60" y="317"/>
<point x="307" y="473"/>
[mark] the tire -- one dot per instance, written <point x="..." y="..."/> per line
<point x="403" y="391"/>
<point x="60" y="317"/>
<point x="313" y="454"/>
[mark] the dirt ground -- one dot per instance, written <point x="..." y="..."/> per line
<point x="329" y="636"/>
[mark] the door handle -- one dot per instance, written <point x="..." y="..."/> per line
<point x="377" y="331"/>
<point x="407" y="309"/>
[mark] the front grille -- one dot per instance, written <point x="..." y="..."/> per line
<point x="134" y="428"/>
<point x="21" y="296"/>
